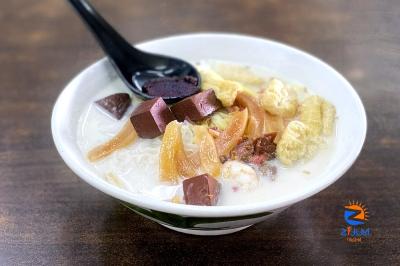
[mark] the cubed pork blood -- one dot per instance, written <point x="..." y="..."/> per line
<point x="196" y="107"/>
<point x="171" y="86"/>
<point x="151" y="117"/>
<point x="115" y="104"/>
<point x="201" y="190"/>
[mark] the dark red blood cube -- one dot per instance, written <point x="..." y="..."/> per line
<point x="201" y="190"/>
<point x="196" y="107"/>
<point x="171" y="86"/>
<point x="151" y="117"/>
<point x="115" y="104"/>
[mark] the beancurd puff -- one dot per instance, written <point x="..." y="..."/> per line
<point x="279" y="99"/>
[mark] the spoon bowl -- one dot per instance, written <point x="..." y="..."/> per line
<point x="135" y="67"/>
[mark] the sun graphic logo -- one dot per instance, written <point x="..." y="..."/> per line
<point x="355" y="213"/>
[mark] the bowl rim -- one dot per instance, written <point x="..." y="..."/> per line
<point x="205" y="211"/>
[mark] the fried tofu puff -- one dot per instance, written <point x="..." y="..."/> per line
<point x="293" y="144"/>
<point x="318" y="114"/>
<point x="225" y="90"/>
<point x="279" y="99"/>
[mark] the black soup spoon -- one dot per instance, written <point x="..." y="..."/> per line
<point x="137" y="68"/>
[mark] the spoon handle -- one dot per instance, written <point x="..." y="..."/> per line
<point x="114" y="45"/>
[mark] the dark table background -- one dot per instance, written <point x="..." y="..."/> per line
<point x="49" y="216"/>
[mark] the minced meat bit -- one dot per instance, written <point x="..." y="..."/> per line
<point x="256" y="152"/>
<point x="243" y="151"/>
<point x="265" y="145"/>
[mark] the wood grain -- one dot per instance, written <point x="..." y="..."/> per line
<point x="49" y="216"/>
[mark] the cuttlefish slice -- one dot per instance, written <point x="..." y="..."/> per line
<point x="125" y="136"/>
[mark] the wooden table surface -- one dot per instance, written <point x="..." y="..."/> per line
<point x="49" y="216"/>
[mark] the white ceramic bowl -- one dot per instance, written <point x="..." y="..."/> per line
<point x="288" y="62"/>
